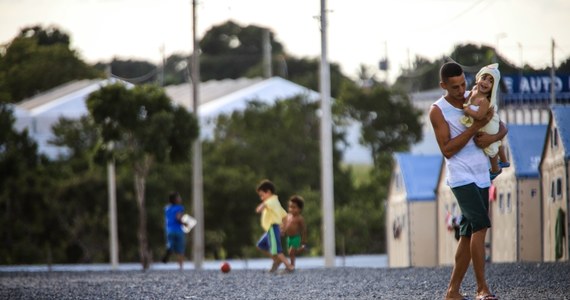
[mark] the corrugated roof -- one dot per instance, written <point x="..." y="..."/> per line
<point x="526" y="144"/>
<point x="216" y="97"/>
<point x="267" y="91"/>
<point x="561" y="114"/>
<point x="209" y="90"/>
<point x="55" y="93"/>
<point x="420" y="174"/>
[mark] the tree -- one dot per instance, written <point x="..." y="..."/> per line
<point x="39" y="59"/>
<point x="564" y="66"/>
<point x="424" y="74"/>
<point x="144" y="127"/>
<point x="83" y="140"/>
<point x="176" y="69"/>
<point x="305" y="72"/>
<point x="390" y="123"/>
<point x="232" y="51"/>
<point x="82" y="218"/>
<point x="279" y="142"/>
<point x="24" y="202"/>
<point x="133" y="71"/>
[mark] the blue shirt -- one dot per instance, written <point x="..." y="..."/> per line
<point x="170" y="212"/>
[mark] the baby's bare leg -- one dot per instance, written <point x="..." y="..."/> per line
<point x="502" y="154"/>
<point x="495" y="164"/>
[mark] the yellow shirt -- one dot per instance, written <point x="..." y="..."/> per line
<point x="273" y="213"/>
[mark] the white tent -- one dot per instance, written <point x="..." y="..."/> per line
<point x="39" y="113"/>
<point x="224" y="97"/>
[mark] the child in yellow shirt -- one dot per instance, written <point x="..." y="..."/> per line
<point x="272" y="214"/>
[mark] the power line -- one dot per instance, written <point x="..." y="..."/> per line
<point x="137" y="79"/>
<point x="446" y="22"/>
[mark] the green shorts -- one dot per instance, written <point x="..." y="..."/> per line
<point x="294" y="241"/>
<point x="474" y="204"/>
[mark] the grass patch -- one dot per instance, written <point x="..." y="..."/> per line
<point x="360" y="173"/>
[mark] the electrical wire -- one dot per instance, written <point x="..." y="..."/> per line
<point x="137" y="79"/>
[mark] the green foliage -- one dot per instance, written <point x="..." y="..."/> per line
<point x="231" y="51"/>
<point x="390" y="123"/>
<point x="83" y="140"/>
<point x="81" y="213"/>
<point x="424" y="74"/>
<point x="306" y="72"/>
<point x="30" y="228"/>
<point x="133" y="71"/>
<point x="46" y="37"/>
<point x="57" y="211"/>
<point x="229" y="207"/>
<point x="36" y="60"/>
<point x="27" y="225"/>
<point x="176" y="70"/>
<point x="278" y="142"/>
<point x="18" y="151"/>
<point x="360" y="226"/>
<point x="140" y="123"/>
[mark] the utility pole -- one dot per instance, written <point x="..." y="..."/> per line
<point x="197" y="182"/>
<point x="113" y="235"/>
<point x="326" y="148"/>
<point x="112" y="190"/>
<point x="409" y="61"/>
<point x="387" y="62"/>
<point x="161" y="79"/>
<point x="497" y="38"/>
<point x="552" y="77"/>
<point x="266" y="54"/>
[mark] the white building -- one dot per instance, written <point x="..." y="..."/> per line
<point x="39" y="113"/>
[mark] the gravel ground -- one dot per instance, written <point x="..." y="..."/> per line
<point x="508" y="281"/>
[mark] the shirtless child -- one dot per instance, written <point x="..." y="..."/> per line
<point x="294" y="228"/>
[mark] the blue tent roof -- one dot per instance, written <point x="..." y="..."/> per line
<point x="561" y="114"/>
<point x="526" y="143"/>
<point x="420" y="174"/>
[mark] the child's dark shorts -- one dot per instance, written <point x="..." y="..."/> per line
<point x="474" y="204"/>
<point x="176" y="242"/>
<point x="271" y="240"/>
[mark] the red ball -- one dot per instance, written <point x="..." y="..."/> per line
<point x="225" y="267"/>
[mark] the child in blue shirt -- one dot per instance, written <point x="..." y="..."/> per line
<point x="175" y="237"/>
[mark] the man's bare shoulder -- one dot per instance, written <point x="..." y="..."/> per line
<point x="435" y="113"/>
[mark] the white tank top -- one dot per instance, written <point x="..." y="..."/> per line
<point x="470" y="164"/>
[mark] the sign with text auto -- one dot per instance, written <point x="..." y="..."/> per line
<point x="536" y="84"/>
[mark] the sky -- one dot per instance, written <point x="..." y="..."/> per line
<point x="360" y="32"/>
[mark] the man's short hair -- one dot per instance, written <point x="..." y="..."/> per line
<point x="266" y="185"/>
<point x="448" y="70"/>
